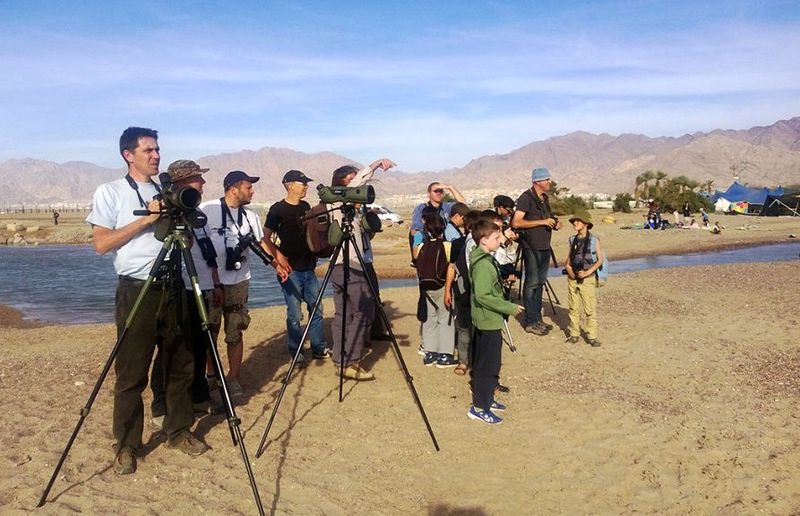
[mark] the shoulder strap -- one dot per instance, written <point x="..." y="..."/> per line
<point x="135" y="187"/>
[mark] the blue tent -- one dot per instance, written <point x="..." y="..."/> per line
<point x="738" y="192"/>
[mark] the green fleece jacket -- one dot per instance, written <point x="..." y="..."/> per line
<point x="488" y="304"/>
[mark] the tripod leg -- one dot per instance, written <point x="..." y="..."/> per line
<point x="107" y="367"/>
<point x="346" y="270"/>
<point x="315" y="307"/>
<point x="409" y="379"/>
<point x="233" y="420"/>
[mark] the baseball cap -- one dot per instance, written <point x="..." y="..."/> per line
<point x="235" y="176"/>
<point x="540" y="174"/>
<point x="184" y="168"/>
<point x="295" y="175"/>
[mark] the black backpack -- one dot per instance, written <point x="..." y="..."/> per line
<point x="432" y="265"/>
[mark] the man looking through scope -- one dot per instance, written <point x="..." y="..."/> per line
<point x="132" y="239"/>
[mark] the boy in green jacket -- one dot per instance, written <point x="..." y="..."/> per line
<point x="487" y="308"/>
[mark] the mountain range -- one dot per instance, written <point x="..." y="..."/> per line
<point x="581" y="161"/>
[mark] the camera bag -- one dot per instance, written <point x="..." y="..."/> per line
<point x="316" y="225"/>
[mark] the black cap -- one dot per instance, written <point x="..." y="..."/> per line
<point x="235" y="176"/>
<point x="296" y="175"/>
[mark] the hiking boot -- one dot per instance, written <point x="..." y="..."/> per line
<point x="213" y="382"/>
<point x="201" y="407"/>
<point x="235" y="389"/>
<point x="446" y="360"/>
<point x="430" y="358"/>
<point x="188" y="444"/>
<point x="536" y="330"/>
<point x="572" y="340"/>
<point x="497" y="406"/>
<point x="157" y="423"/>
<point x="502" y="388"/>
<point x="544" y="325"/>
<point x="322" y="355"/>
<point x="125" y="461"/>
<point x="483" y="415"/>
<point x="594" y="343"/>
<point x="356" y="372"/>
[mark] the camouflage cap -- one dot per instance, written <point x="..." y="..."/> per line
<point x="184" y="168"/>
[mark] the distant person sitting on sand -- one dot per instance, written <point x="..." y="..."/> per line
<point x="687" y="210"/>
<point x="704" y="216"/>
<point x="717" y="229"/>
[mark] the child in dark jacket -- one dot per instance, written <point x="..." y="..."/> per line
<point x="487" y="309"/>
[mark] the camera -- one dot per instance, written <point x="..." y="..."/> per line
<point x="185" y="199"/>
<point x="234" y="258"/>
<point x="357" y="194"/>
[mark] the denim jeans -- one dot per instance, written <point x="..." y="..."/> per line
<point x="302" y="286"/>
<point x="536" y="265"/>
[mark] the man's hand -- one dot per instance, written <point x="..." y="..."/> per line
<point x="558" y="225"/>
<point x="154" y="207"/>
<point x="552" y="223"/>
<point x="283" y="272"/>
<point x="282" y="263"/>
<point x="383" y="163"/>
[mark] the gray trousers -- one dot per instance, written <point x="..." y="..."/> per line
<point x="359" y="313"/>
<point x="438" y="332"/>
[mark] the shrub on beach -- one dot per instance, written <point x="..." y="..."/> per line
<point x="622" y="203"/>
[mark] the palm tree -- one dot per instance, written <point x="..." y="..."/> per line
<point x="659" y="176"/>
<point x="708" y="185"/>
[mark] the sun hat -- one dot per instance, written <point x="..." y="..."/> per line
<point x="584" y="216"/>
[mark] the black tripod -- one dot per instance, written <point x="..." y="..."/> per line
<point x="348" y="239"/>
<point x="548" y="289"/>
<point x="177" y="237"/>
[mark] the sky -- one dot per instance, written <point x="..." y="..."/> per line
<point x="431" y="85"/>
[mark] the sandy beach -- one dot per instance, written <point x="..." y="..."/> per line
<point x="690" y="406"/>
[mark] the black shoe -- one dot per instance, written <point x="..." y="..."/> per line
<point x="502" y="388"/>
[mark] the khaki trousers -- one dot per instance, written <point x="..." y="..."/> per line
<point x="583" y="298"/>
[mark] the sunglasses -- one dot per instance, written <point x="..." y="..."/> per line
<point x="438" y="190"/>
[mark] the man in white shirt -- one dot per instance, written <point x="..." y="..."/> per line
<point x="231" y="225"/>
<point x="116" y="229"/>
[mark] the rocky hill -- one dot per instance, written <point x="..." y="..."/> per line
<point x="582" y="161"/>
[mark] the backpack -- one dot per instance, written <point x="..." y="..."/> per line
<point x="602" y="272"/>
<point x="432" y="265"/>
<point x="316" y="225"/>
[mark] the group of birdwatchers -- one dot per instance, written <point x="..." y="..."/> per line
<point x="466" y="262"/>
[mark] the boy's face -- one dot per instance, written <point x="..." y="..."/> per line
<point x="578" y="224"/>
<point x="492" y="242"/>
<point x="458" y="220"/>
